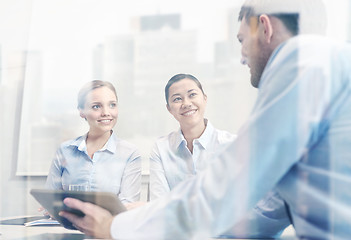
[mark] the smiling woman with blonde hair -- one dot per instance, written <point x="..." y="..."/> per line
<point x="98" y="160"/>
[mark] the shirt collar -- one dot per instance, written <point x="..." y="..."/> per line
<point x="111" y="144"/>
<point x="179" y="138"/>
<point x="204" y="139"/>
<point x="80" y="143"/>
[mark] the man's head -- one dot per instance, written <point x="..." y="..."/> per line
<point x="265" y="24"/>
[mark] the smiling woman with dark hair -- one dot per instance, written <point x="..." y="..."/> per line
<point x="190" y="149"/>
<point x="194" y="147"/>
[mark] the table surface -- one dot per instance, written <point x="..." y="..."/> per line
<point x="17" y="232"/>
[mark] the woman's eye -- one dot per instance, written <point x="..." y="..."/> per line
<point x="192" y="94"/>
<point x="113" y="105"/>
<point x="177" y="99"/>
<point x="95" y="106"/>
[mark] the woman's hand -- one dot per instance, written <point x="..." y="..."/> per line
<point x="44" y="212"/>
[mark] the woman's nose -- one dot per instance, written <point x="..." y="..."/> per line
<point x="186" y="103"/>
<point x="104" y="111"/>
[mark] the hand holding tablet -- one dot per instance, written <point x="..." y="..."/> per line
<point x="52" y="200"/>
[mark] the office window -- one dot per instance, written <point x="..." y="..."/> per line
<point x="138" y="50"/>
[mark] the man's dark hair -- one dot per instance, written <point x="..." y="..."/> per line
<point x="290" y="20"/>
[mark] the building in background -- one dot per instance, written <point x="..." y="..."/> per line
<point x="139" y="65"/>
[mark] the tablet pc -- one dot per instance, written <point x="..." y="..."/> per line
<point x="52" y="201"/>
<point x="22" y="220"/>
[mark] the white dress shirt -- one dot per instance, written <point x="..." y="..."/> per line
<point x="171" y="162"/>
<point x="297" y="139"/>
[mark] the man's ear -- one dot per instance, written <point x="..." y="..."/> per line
<point x="266" y="28"/>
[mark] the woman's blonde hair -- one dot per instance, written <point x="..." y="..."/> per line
<point x="90" y="86"/>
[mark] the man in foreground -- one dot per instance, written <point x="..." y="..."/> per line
<point x="296" y="140"/>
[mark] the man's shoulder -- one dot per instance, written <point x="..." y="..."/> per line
<point x="310" y="42"/>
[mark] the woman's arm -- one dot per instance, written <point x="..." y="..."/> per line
<point x="131" y="179"/>
<point x="54" y="178"/>
<point x="158" y="182"/>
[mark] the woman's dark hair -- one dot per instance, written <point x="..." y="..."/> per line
<point x="90" y="86"/>
<point x="177" y="78"/>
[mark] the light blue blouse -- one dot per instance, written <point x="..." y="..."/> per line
<point x="297" y="139"/>
<point x="115" y="168"/>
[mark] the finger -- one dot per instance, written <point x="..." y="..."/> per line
<point x="73" y="203"/>
<point x="71" y="217"/>
<point x="74" y="219"/>
<point x="86" y="207"/>
<point x="79" y="228"/>
<point x="77" y="222"/>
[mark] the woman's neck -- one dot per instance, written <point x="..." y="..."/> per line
<point x="95" y="141"/>
<point x="193" y="133"/>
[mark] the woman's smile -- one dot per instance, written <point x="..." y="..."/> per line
<point x="189" y="113"/>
